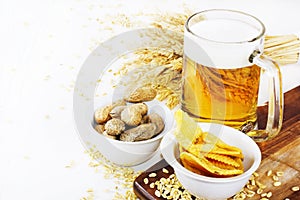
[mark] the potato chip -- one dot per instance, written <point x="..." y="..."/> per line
<point x="196" y="149"/>
<point x="221" y="164"/>
<point x="223" y="159"/>
<point x="205" y="167"/>
<point x="204" y="153"/>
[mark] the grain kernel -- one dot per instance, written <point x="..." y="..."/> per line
<point x="146" y="181"/>
<point x="269" y="173"/>
<point x="295" y="188"/>
<point x="250" y="187"/>
<point x="163" y="180"/>
<point x="167" y="191"/>
<point x="277" y="183"/>
<point x="279" y="173"/>
<point x="275" y="178"/>
<point x="250" y="193"/>
<point x="255" y="174"/>
<point x="269" y="194"/>
<point x="164" y="170"/>
<point x="152" y="175"/>
<point x="90" y="190"/>
<point x="243" y="196"/>
<point x="259" y="191"/>
<point x="263" y="195"/>
<point x="157" y="193"/>
<point x="152" y="185"/>
<point x="260" y="185"/>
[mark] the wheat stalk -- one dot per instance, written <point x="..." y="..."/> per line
<point x="284" y="49"/>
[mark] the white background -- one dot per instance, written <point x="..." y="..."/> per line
<point x="42" y="47"/>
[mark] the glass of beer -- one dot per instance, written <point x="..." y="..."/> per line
<point x="222" y="65"/>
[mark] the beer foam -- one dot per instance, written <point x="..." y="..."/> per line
<point x="222" y="43"/>
<point x="223" y="30"/>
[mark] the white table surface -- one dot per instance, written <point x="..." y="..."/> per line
<point x="42" y="47"/>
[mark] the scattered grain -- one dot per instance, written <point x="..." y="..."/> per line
<point x="152" y="185"/>
<point x="129" y="195"/>
<point x="275" y="178"/>
<point x="277" y="183"/>
<point x="164" y="170"/>
<point x="279" y="173"/>
<point x="152" y="175"/>
<point x="295" y="188"/>
<point x="269" y="173"/>
<point x="124" y="176"/>
<point x="71" y="164"/>
<point x="250" y="193"/>
<point x="90" y="190"/>
<point x="90" y="195"/>
<point x="146" y="181"/>
<point x="253" y="182"/>
<point x="255" y="174"/>
<point x="263" y="194"/>
<point x="250" y="187"/>
<point x="259" y="191"/>
<point x="157" y="193"/>
<point x="260" y="185"/>
<point x="243" y="195"/>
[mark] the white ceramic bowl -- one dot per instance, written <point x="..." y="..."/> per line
<point x="209" y="187"/>
<point x="129" y="153"/>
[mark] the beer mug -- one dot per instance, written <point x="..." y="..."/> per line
<point x="222" y="65"/>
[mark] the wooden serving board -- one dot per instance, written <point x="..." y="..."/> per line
<point x="280" y="154"/>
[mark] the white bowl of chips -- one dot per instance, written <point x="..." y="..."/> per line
<point x="213" y="187"/>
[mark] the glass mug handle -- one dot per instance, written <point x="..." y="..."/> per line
<point x="275" y="105"/>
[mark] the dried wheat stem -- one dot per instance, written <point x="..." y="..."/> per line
<point x="284" y="49"/>
<point x="290" y="45"/>
<point x="278" y="40"/>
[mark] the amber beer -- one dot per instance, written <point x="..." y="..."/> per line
<point x="223" y="58"/>
<point x="213" y="94"/>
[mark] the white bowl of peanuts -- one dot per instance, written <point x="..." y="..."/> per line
<point x="126" y="127"/>
<point x="200" y="181"/>
<point x="132" y="132"/>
